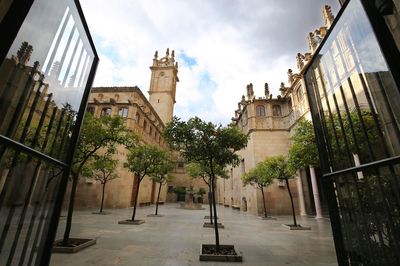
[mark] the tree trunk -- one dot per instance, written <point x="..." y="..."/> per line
<point x="136" y="198"/>
<point x="291" y="201"/>
<point x="265" y="209"/>
<point x="102" y="198"/>
<point x="158" y="197"/>
<point x="210" y="203"/>
<point x="75" y="178"/>
<point x="215" y="216"/>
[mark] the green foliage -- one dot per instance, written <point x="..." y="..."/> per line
<point x="203" y="142"/>
<point x="278" y="167"/>
<point x="180" y="190"/>
<point x="198" y="170"/>
<point x="97" y="133"/>
<point x="146" y="160"/>
<point x="201" y="191"/>
<point x="101" y="168"/>
<point x="352" y="136"/>
<point x="303" y="151"/>
<point x="162" y="169"/>
<point x="261" y="176"/>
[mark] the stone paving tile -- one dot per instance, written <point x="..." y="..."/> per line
<point x="175" y="239"/>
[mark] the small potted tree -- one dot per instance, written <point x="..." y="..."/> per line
<point x="101" y="168"/>
<point x="212" y="147"/>
<point x="282" y="171"/>
<point x="260" y="177"/>
<point x="196" y="170"/>
<point x="162" y="177"/>
<point x="142" y="160"/>
<point x="200" y="193"/>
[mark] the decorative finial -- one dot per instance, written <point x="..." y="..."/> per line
<point x="300" y="61"/>
<point x="173" y="54"/>
<point x="266" y="90"/>
<point x="328" y="16"/>
<point x="290" y="76"/>
<point x="156" y="55"/>
<point x="167" y="53"/>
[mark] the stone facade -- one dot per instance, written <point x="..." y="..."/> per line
<point x="269" y="122"/>
<point x="146" y="118"/>
<point x="141" y="118"/>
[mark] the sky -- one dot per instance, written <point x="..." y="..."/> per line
<point x="220" y="46"/>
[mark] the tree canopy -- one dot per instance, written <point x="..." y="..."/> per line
<point x="144" y="160"/>
<point x="303" y="151"/>
<point x="260" y="176"/>
<point x="205" y="143"/>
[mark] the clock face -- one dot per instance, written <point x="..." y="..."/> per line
<point x="162" y="74"/>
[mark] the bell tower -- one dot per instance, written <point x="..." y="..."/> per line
<point x="164" y="76"/>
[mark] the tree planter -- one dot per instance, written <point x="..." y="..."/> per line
<point x="74" y="245"/>
<point x="267" y="218"/>
<point x="135" y="222"/>
<point x="191" y="206"/>
<point x="208" y="217"/>
<point x="155" y="215"/>
<point x="296" y="227"/>
<point x="101" y="213"/>
<point x="210" y="225"/>
<point x="227" y="253"/>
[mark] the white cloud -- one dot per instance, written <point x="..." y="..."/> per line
<point x="233" y="42"/>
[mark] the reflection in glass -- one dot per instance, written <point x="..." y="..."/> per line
<point x="44" y="76"/>
<point x="42" y="81"/>
<point x="356" y="104"/>
<point x="27" y="190"/>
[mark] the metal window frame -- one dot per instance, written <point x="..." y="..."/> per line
<point x="9" y="28"/>
<point x="392" y="56"/>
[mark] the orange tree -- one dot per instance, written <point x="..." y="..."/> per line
<point x="212" y="147"/>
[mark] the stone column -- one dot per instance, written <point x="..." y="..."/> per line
<point x="301" y="195"/>
<point x="315" y="193"/>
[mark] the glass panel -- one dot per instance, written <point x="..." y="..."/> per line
<point x="357" y="99"/>
<point x="354" y="99"/>
<point x="44" y="75"/>
<point x="28" y="187"/>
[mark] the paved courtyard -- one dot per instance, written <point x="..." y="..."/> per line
<point x="175" y="239"/>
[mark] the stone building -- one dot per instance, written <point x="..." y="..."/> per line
<point x="269" y="122"/>
<point x="147" y="118"/>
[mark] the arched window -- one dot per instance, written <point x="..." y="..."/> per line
<point x="299" y="94"/>
<point x="123" y="112"/>
<point x="106" y="111"/>
<point x="260" y="110"/>
<point x="276" y="110"/>
<point x="137" y="118"/>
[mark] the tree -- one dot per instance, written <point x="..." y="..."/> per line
<point x="261" y="177"/>
<point x="97" y="133"/>
<point x="201" y="192"/>
<point x="197" y="170"/>
<point x="278" y="167"/>
<point x="143" y="160"/>
<point x="101" y="168"/>
<point x="161" y="174"/>
<point x="303" y="153"/>
<point x="211" y="146"/>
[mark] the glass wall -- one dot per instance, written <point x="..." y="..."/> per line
<point x="42" y="85"/>
<point x="355" y="105"/>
